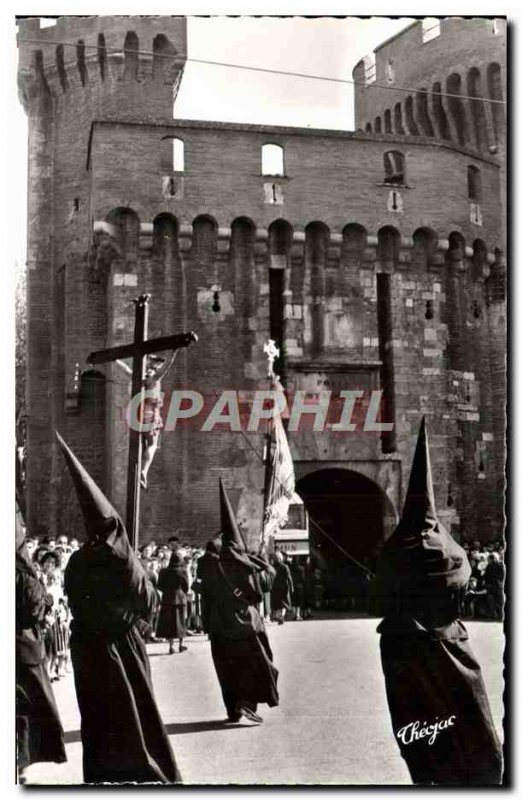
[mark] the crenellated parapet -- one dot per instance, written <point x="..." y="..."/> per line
<point x="440" y="78"/>
<point x="113" y="62"/>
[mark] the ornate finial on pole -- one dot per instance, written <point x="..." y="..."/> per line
<point x="272" y="352"/>
<point x="142" y="300"/>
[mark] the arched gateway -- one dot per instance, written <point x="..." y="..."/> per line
<point x="352" y="510"/>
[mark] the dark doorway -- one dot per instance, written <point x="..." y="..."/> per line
<point x="346" y="526"/>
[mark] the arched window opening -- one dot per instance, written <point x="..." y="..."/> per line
<point x="494" y="80"/>
<point x="370" y="72"/>
<point x="422" y="113"/>
<point x="163" y="55"/>
<point x="378" y="125"/>
<point x="130" y="55"/>
<point x="456" y="107"/>
<point x="390" y="71"/>
<point x="394" y="168"/>
<point x="430" y="29"/>
<point x="387" y="121"/>
<point x="477" y="108"/>
<point x="438" y="111"/>
<point x="368" y="127"/>
<point x="410" y="120"/>
<point x="178" y="155"/>
<point x="272" y="159"/>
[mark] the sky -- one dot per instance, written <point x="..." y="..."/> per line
<point x="323" y="46"/>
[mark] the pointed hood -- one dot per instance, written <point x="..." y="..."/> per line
<point x="231" y="534"/>
<point x="421" y="552"/>
<point x="233" y="545"/>
<point x="102" y="521"/>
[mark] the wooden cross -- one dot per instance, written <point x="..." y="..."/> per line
<point x="138" y="351"/>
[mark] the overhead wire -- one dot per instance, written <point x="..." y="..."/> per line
<point x="266" y="70"/>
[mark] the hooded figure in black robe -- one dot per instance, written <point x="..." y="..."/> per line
<point x="111" y="600"/>
<point x="39" y="732"/>
<point x="231" y="588"/>
<point x="438" y="705"/>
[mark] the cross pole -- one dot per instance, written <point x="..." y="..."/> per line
<point x="138" y="351"/>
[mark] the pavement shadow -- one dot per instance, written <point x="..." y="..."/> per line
<point x="70" y="737"/>
<point x="202" y="725"/>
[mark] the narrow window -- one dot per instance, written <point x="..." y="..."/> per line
<point x="430" y="29"/>
<point x="387" y="121"/>
<point x="474" y="184"/>
<point x="102" y="55"/>
<point x="178" y="155"/>
<point x="394" y="168"/>
<point x="378" y="125"/>
<point x="60" y="66"/>
<point x="368" y="127"/>
<point x="390" y="71"/>
<point x="370" y="73"/>
<point x="80" y="61"/>
<point x="272" y="160"/>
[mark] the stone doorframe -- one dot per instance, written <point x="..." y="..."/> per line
<point x="386" y="474"/>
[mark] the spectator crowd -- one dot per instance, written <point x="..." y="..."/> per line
<point x="302" y="585"/>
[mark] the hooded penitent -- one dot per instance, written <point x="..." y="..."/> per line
<point x="233" y="544"/>
<point x="438" y="705"/>
<point x="421" y="559"/>
<point x="102" y="521"/>
<point x="111" y="600"/>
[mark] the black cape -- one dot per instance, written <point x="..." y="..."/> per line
<point x="240" y="648"/>
<point x="432" y="676"/>
<point x="39" y="732"/>
<point x="436" y="696"/>
<point x="124" y="739"/>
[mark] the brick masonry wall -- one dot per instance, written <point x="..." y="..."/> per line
<point x="330" y="177"/>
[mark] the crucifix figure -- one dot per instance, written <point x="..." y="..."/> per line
<point x="156" y="367"/>
<point x="147" y="371"/>
<point x="272" y="352"/>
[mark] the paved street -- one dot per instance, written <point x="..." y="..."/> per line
<point x="332" y="726"/>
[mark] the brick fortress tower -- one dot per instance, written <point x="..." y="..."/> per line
<point x="375" y="258"/>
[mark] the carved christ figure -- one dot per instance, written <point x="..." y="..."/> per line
<point x="156" y="369"/>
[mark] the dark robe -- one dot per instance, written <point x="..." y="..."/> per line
<point x="240" y="650"/>
<point x="39" y="732"/>
<point x="174" y="585"/>
<point x="124" y="739"/>
<point x="438" y="705"/>
<point x="431" y="676"/>
<point x="282" y="587"/>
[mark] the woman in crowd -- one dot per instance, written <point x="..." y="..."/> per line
<point x="281" y="589"/>
<point x="173" y="585"/>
